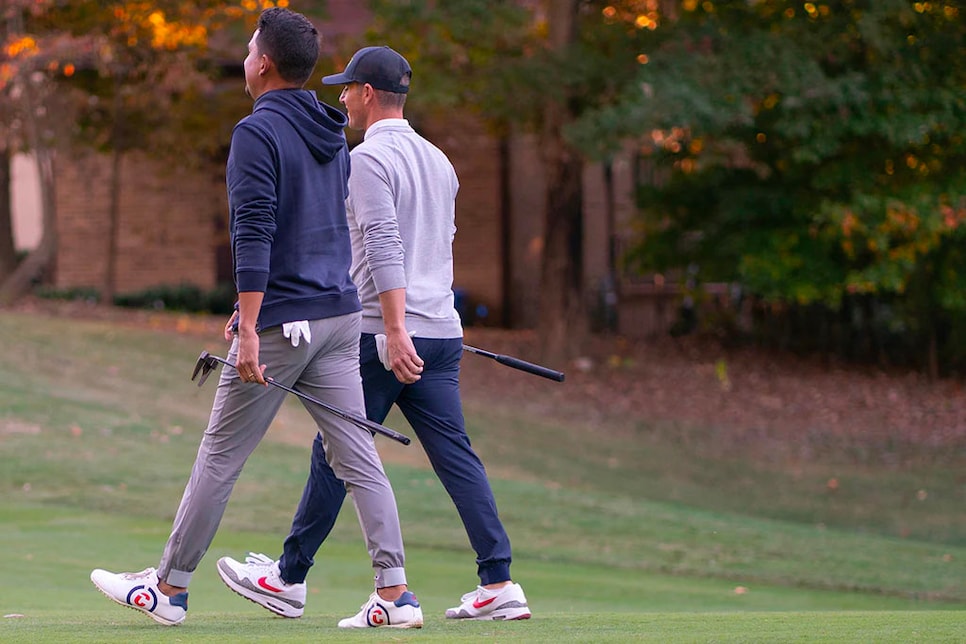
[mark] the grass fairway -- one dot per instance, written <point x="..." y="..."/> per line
<point x="98" y="429"/>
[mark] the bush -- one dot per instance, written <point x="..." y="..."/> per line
<point x="184" y="297"/>
<point x="76" y="294"/>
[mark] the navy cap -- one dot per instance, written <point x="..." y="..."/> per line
<point x="381" y="67"/>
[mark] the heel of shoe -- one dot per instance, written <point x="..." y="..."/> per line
<point x="511" y="614"/>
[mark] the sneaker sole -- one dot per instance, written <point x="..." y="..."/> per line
<point x="360" y="628"/>
<point x="154" y="616"/>
<point x="495" y="616"/>
<point x="269" y="603"/>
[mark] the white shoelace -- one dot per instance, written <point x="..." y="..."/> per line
<point x="258" y="559"/>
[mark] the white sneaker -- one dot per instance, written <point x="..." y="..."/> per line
<point x="259" y="580"/>
<point x="139" y="590"/>
<point x="505" y="603"/>
<point x="402" y="613"/>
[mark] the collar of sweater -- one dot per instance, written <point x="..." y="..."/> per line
<point x="387" y="124"/>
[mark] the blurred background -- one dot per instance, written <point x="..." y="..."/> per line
<point x="782" y="173"/>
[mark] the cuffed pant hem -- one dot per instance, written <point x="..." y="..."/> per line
<point x="178" y="578"/>
<point x="494" y="574"/>
<point x="390" y="577"/>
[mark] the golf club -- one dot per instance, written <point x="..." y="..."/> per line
<point x="516" y="363"/>
<point x="207" y="363"/>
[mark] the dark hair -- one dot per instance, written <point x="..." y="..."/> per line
<point x="291" y="41"/>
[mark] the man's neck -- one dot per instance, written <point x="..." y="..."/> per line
<point x="382" y="115"/>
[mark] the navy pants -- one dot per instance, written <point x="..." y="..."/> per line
<point x="433" y="408"/>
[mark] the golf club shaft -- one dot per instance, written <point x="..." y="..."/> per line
<point x="365" y="423"/>
<point x="516" y="363"/>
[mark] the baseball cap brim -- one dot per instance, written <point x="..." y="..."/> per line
<point x="336" y="79"/>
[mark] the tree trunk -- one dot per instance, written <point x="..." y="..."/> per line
<point x="8" y="251"/>
<point x="563" y="324"/>
<point x="41" y="260"/>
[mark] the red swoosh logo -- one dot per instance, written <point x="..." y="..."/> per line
<point x="485" y="602"/>
<point x="267" y="586"/>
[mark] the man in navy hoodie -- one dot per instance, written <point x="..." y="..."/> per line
<point x="297" y="319"/>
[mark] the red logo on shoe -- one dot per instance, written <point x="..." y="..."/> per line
<point x="377" y="617"/>
<point x="264" y="584"/>
<point x="481" y="604"/>
<point x="142" y="597"/>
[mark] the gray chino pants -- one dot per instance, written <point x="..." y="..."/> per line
<point x="328" y="369"/>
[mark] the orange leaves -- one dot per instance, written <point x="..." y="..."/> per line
<point x="887" y="239"/>
<point x="173" y="35"/>
<point x="642" y="14"/>
<point x="22" y="46"/>
<point x="7" y="73"/>
<point x="259" y="5"/>
<point x="170" y="26"/>
<point x="137" y="22"/>
<point x="17" y="49"/>
<point x="953" y="218"/>
<point x="849" y="223"/>
<point x="900" y="220"/>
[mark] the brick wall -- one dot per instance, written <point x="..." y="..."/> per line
<point x="173" y="225"/>
<point x="172" y="221"/>
<point x="167" y="226"/>
<point x="477" y="250"/>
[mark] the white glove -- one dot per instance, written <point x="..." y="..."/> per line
<point x="381" y="349"/>
<point x="295" y="331"/>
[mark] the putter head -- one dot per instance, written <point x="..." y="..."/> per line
<point x="205" y="365"/>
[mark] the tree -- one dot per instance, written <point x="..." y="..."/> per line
<point x="128" y="75"/>
<point x="28" y="125"/>
<point x="8" y="252"/>
<point x="537" y="65"/>
<point x="146" y="66"/>
<point x="563" y="317"/>
<point x="811" y="152"/>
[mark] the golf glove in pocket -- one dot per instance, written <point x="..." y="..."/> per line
<point x="383" y="352"/>
<point x="297" y="330"/>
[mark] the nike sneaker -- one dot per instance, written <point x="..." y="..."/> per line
<point x="505" y="603"/>
<point x="259" y="580"/>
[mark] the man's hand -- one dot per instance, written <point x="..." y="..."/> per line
<point x="247" y="361"/>
<point x="249" y="304"/>
<point x="229" y="331"/>
<point x="402" y="357"/>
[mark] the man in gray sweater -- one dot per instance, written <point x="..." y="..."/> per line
<point x="401" y="211"/>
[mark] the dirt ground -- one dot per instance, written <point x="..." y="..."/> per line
<point x="756" y="399"/>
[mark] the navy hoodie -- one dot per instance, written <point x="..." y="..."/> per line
<point x="287" y="177"/>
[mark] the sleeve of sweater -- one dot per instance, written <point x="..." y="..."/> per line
<point x="252" y="199"/>
<point x="371" y="203"/>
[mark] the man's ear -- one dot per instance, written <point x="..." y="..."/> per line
<point x="264" y="64"/>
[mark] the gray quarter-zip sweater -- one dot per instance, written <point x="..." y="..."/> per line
<point x="402" y="220"/>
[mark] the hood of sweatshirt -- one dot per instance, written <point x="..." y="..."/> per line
<point x="320" y="125"/>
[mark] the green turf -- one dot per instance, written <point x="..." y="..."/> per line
<point x="617" y="536"/>
<point x="53" y="549"/>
